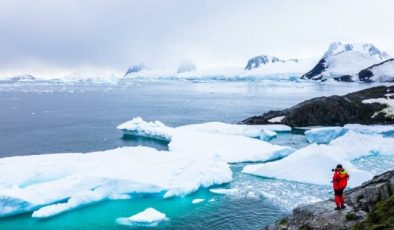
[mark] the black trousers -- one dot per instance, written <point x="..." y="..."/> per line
<point x="338" y="192"/>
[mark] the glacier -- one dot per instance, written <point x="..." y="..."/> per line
<point x="313" y="164"/>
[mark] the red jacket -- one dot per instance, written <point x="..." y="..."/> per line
<point x="340" y="179"/>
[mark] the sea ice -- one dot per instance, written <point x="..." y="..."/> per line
<point x="56" y="183"/>
<point x="313" y="163"/>
<point x="385" y="130"/>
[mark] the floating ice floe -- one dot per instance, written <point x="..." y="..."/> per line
<point x="54" y="183"/>
<point x="313" y="163"/>
<point x="157" y="130"/>
<point x="139" y="127"/>
<point x="324" y="135"/>
<point x="196" y="201"/>
<point x="150" y="217"/>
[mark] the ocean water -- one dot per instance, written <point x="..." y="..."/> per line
<point x="41" y="118"/>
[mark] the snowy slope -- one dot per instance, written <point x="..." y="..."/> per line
<point x="381" y="72"/>
<point x="370" y="49"/>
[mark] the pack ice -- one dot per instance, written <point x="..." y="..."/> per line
<point x="53" y="183"/>
<point x="313" y="163"/>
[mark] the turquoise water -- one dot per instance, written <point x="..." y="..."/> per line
<point x="49" y="118"/>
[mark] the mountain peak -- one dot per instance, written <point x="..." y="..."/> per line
<point x="261" y="60"/>
<point x="367" y="48"/>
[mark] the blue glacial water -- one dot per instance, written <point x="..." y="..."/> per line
<point x="41" y="118"/>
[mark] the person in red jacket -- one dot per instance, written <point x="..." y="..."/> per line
<point x="339" y="181"/>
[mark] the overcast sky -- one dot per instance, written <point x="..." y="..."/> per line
<point x="55" y="36"/>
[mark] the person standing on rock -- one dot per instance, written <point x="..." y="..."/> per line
<point x="339" y="181"/>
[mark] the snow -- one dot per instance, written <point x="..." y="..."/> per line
<point x="196" y="201"/>
<point x="389" y="111"/>
<point x="267" y="134"/>
<point x="324" y="135"/>
<point x="150" y="217"/>
<point x="370" y="49"/>
<point x="276" y="119"/>
<point x="313" y="163"/>
<point x="56" y="183"/>
<point x="346" y="63"/>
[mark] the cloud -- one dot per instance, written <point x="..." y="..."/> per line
<point x="60" y="35"/>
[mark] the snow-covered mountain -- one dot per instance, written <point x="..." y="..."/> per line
<point x="370" y="49"/>
<point x="343" y="62"/>
<point x="135" y="69"/>
<point x="259" y="61"/>
<point x="382" y="72"/>
<point x="24" y="77"/>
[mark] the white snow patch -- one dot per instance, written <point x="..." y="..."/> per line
<point x="276" y="119"/>
<point x="389" y="111"/>
<point x="313" y="163"/>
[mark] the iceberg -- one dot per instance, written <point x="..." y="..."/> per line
<point x="324" y="135"/>
<point x="53" y="183"/>
<point x="230" y="148"/>
<point x="139" y="127"/>
<point x="157" y="130"/>
<point x="313" y="163"/>
<point x="150" y="217"/>
<point x="230" y="142"/>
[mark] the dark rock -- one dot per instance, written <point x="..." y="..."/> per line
<point x="135" y="69"/>
<point x="316" y="71"/>
<point x="332" y="111"/>
<point x="261" y="60"/>
<point x="321" y="215"/>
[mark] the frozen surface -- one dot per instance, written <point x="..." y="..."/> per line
<point x="324" y="135"/>
<point x="313" y="163"/>
<point x="150" y="217"/>
<point x="59" y="182"/>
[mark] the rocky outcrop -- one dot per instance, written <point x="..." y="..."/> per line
<point x="332" y="111"/>
<point x="360" y="202"/>
<point x="135" y="69"/>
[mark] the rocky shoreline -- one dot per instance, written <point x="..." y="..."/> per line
<point x="333" y="110"/>
<point x="362" y="210"/>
